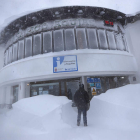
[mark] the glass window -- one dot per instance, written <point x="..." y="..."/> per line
<point x="4" y="58"/>
<point x="81" y="38"/>
<point x="111" y="40"/>
<point x="58" y="41"/>
<point x="28" y="46"/>
<point x="48" y="88"/>
<point x="37" y="44"/>
<point x="15" y="93"/>
<point x="62" y="88"/>
<point x="10" y="54"/>
<point x="70" y="39"/>
<point x="7" y="55"/>
<point x="102" y="39"/>
<point x="21" y="50"/>
<point x="15" y="46"/>
<point x="47" y="42"/>
<point x="119" y="41"/>
<point x="92" y="38"/>
<point x="125" y="43"/>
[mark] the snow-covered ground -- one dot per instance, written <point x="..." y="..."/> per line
<point x="114" y="115"/>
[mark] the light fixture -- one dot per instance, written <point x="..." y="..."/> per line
<point x="102" y="13"/>
<point x="28" y="84"/>
<point x="119" y="17"/>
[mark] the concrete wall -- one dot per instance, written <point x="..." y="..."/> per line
<point x="133" y="38"/>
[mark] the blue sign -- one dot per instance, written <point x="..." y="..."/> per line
<point x="98" y="85"/>
<point x="66" y="63"/>
<point x="92" y="84"/>
<point x="90" y="80"/>
<point x="96" y="80"/>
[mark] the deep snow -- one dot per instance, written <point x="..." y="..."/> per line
<point x="114" y="115"/>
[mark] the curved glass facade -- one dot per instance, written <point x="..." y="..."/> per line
<point x="65" y="40"/>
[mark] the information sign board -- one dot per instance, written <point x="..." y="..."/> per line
<point x="98" y="85"/>
<point x="66" y="63"/>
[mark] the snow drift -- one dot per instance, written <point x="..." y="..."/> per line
<point x="112" y="115"/>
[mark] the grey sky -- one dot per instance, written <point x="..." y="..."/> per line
<point x="11" y="9"/>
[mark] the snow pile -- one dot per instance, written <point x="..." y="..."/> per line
<point x="40" y="105"/>
<point x="128" y="96"/>
<point x="112" y="115"/>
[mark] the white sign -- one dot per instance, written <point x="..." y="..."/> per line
<point x="65" y="64"/>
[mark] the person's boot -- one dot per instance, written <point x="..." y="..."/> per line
<point x="78" y="123"/>
<point x="85" y="124"/>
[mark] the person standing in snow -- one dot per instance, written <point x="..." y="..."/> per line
<point x="81" y="99"/>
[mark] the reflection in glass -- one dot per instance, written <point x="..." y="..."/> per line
<point x="58" y="41"/>
<point x="47" y="42"/>
<point x="10" y="55"/>
<point x="7" y="55"/>
<point x="15" y="46"/>
<point x="81" y="38"/>
<point x="92" y="38"/>
<point x="21" y="49"/>
<point x="102" y="39"/>
<point x="70" y="39"/>
<point x="37" y="44"/>
<point x="47" y="88"/>
<point x="28" y="46"/>
<point x="119" y="41"/>
<point x="111" y="40"/>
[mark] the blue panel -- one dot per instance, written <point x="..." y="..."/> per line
<point x="98" y="85"/>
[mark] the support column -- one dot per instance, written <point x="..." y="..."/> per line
<point x="9" y="97"/>
<point x="2" y="97"/>
<point x="84" y="81"/>
<point x="22" y="89"/>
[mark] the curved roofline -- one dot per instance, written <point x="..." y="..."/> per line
<point x="57" y="13"/>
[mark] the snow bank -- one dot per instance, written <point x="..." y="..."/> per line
<point x="128" y="96"/>
<point x="112" y="115"/>
<point x="40" y="105"/>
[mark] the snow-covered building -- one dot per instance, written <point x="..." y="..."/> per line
<point x="51" y="51"/>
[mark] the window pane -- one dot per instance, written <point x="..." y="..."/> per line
<point x="4" y="58"/>
<point x="47" y="42"/>
<point x="15" y="46"/>
<point x="102" y="39"/>
<point x="111" y="40"/>
<point x="58" y="41"/>
<point x="125" y="43"/>
<point x="10" y="54"/>
<point x="70" y="39"/>
<point x="7" y="54"/>
<point x="37" y="44"/>
<point x="28" y="46"/>
<point x="120" y="45"/>
<point x="81" y="39"/>
<point x="92" y="38"/>
<point x="21" y="50"/>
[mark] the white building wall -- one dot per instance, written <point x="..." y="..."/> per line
<point x="133" y="38"/>
<point x="90" y="62"/>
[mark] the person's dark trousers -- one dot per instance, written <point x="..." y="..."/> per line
<point x="84" y="110"/>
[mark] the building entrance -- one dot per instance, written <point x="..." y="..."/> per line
<point x="65" y="87"/>
<point x="15" y="93"/>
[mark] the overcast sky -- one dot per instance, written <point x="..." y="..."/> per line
<point x="11" y="9"/>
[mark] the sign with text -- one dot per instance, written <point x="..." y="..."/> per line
<point x="98" y="85"/>
<point x="66" y="63"/>
<point x="108" y="23"/>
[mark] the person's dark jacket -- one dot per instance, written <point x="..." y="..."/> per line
<point x="81" y="98"/>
